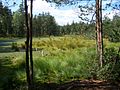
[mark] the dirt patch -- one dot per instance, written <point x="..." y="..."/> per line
<point x="81" y="85"/>
<point x="89" y="85"/>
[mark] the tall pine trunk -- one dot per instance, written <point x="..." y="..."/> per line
<point x="27" y="46"/>
<point x="99" y="38"/>
<point x="31" y="58"/>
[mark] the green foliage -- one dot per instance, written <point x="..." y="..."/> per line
<point x="18" y="22"/>
<point x="8" y="78"/>
<point x="80" y="28"/>
<point x="63" y="43"/>
<point x="14" y="46"/>
<point x="44" y="24"/>
<point x="58" y="60"/>
<point x="23" y="46"/>
<point x="5" y="20"/>
<point x="111" y="29"/>
<point x="111" y="67"/>
<point x="12" y="25"/>
<point x="65" y="67"/>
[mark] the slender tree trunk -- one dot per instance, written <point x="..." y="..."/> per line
<point x="27" y="46"/>
<point x="99" y="38"/>
<point x="101" y="35"/>
<point x="31" y="58"/>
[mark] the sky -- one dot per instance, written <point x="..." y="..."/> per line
<point x="65" y="14"/>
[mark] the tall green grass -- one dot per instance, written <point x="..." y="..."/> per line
<point x="12" y="72"/>
<point x="60" y="59"/>
<point x="71" y="65"/>
<point x="65" y="67"/>
<point x="64" y="43"/>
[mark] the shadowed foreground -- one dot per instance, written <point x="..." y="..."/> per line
<point x="80" y="85"/>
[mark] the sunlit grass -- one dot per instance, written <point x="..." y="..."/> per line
<point x="108" y="44"/>
<point x="63" y="43"/>
<point x="59" y="59"/>
<point x="65" y="67"/>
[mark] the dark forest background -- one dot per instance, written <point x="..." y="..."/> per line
<point x="12" y="24"/>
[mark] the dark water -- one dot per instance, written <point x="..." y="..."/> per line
<point x="5" y="45"/>
<point x="7" y="42"/>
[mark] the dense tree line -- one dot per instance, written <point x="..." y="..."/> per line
<point x="18" y="22"/>
<point x="44" y="24"/>
<point x="80" y="28"/>
<point x="13" y="24"/>
<point x="112" y="29"/>
<point x="5" y="21"/>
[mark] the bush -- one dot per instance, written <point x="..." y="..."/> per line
<point x="14" y="46"/>
<point x="111" y="65"/>
<point x="114" y="36"/>
<point x="23" y="46"/>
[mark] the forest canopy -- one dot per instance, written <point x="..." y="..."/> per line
<point x="13" y="25"/>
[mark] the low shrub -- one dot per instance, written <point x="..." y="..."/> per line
<point x="14" y="46"/>
<point x="23" y="46"/>
<point x="114" y="35"/>
<point x="111" y="65"/>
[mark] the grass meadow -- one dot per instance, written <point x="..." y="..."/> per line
<point x="56" y="60"/>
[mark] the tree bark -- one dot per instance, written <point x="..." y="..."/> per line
<point x="27" y="46"/>
<point x="31" y="58"/>
<point x="99" y="38"/>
